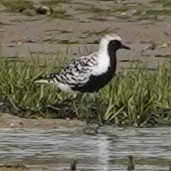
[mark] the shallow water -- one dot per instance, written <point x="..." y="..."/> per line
<point x="54" y="149"/>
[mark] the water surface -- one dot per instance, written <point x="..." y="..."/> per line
<point x="54" y="149"/>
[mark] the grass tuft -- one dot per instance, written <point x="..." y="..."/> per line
<point x="96" y="10"/>
<point x="17" y="5"/>
<point x="62" y="14"/>
<point x="55" y="2"/>
<point x="102" y="32"/>
<point x="165" y="3"/>
<point x="132" y="98"/>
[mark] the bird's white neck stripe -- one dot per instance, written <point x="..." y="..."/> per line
<point x="103" y="47"/>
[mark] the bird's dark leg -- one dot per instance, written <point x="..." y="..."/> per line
<point x="64" y="106"/>
<point x="95" y="99"/>
<point x="100" y="119"/>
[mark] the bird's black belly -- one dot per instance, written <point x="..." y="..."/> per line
<point x="95" y="83"/>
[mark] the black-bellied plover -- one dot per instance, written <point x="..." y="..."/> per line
<point x="88" y="73"/>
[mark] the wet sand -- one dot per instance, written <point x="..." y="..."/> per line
<point x="10" y="121"/>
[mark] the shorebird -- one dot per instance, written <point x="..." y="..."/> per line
<point x="88" y="73"/>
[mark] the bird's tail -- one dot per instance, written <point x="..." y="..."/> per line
<point x="47" y="79"/>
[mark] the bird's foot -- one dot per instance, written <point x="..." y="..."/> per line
<point x="57" y="107"/>
<point x="61" y="110"/>
<point x="92" y="129"/>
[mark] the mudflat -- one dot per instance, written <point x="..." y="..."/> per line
<point x="11" y="121"/>
<point x="75" y="27"/>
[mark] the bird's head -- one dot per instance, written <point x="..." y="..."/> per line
<point x="112" y="42"/>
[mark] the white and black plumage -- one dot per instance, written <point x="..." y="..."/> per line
<point x="88" y="73"/>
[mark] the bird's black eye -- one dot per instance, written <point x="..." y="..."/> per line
<point x="115" y="45"/>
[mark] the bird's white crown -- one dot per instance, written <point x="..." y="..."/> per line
<point x="106" y="39"/>
<point x="110" y="37"/>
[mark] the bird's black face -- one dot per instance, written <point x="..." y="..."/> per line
<point x="114" y="45"/>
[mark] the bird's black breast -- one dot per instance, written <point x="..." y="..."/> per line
<point x="95" y="83"/>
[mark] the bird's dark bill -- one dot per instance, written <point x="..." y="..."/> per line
<point x="125" y="47"/>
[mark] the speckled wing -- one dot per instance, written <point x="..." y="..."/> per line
<point x="78" y="72"/>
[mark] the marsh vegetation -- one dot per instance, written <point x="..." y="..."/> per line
<point x="132" y="98"/>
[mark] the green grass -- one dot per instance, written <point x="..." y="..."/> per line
<point x="153" y="14"/>
<point x="92" y="9"/>
<point x="102" y="32"/>
<point x="17" y="5"/>
<point x="136" y="94"/>
<point x="55" y="2"/>
<point x="17" y="86"/>
<point x="27" y="8"/>
<point x="62" y="14"/>
<point x="129" y="99"/>
<point x="121" y="9"/>
<point x="13" y="166"/>
<point x="61" y="41"/>
<point x="150" y="12"/>
<point x="165" y="3"/>
<point x="158" y="12"/>
<point x="3" y="24"/>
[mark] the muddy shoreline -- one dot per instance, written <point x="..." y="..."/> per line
<point x="11" y="121"/>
